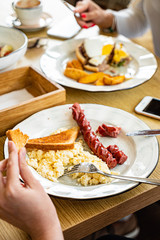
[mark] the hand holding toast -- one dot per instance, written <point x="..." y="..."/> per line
<point x="21" y="204"/>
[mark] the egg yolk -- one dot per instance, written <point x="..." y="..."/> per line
<point x="118" y="55"/>
<point x="106" y="50"/>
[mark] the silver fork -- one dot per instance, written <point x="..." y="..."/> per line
<point x="86" y="167"/>
<point x="70" y="7"/>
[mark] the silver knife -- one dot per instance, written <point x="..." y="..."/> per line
<point x="153" y="132"/>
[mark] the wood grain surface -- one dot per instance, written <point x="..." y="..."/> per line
<point x="79" y="218"/>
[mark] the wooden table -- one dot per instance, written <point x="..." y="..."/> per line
<point x="81" y="218"/>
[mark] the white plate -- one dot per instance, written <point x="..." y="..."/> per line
<point x="45" y="21"/>
<point x="140" y="69"/>
<point x="142" y="151"/>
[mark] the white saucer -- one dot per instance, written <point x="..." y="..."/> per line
<point x="45" y="21"/>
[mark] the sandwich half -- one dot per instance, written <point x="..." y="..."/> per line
<point x="97" y="55"/>
<point x="94" y="54"/>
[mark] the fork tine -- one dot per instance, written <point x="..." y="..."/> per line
<point x="68" y="172"/>
<point x="73" y="169"/>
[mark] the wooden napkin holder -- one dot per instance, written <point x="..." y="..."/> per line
<point x="45" y="92"/>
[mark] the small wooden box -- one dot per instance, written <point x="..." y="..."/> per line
<point x="45" y="94"/>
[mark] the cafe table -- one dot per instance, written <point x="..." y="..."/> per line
<point x="80" y="218"/>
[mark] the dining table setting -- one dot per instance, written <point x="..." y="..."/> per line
<point x="49" y="96"/>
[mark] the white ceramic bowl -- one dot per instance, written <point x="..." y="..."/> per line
<point x="18" y="40"/>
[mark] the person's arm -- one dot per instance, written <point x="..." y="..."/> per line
<point x="26" y="206"/>
<point x="152" y="9"/>
<point x="132" y="21"/>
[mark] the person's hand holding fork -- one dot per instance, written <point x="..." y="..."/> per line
<point x="91" y="14"/>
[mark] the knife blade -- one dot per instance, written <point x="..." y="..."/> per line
<point x="152" y="132"/>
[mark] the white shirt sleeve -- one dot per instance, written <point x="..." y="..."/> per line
<point x="131" y="22"/>
<point x="152" y="9"/>
<point x="137" y="18"/>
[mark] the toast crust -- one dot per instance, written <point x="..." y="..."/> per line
<point x="50" y="146"/>
<point x="17" y="137"/>
<point x="79" y="55"/>
<point x="91" y="68"/>
<point x="60" y="141"/>
<point x="83" y="60"/>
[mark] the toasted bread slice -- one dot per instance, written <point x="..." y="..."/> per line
<point x="83" y="60"/>
<point x="60" y="141"/>
<point x="91" y="68"/>
<point x="80" y="56"/>
<point x="17" y="137"/>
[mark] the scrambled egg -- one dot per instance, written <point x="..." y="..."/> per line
<point x="51" y="164"/>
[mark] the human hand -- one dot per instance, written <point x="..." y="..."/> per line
<point x="91" y="14"/>
<point x="26" y="206"/>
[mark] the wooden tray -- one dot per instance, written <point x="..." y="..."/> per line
<point x="45" y="94"/>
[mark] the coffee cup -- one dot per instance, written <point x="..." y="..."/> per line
<point x="28" y="11"/>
